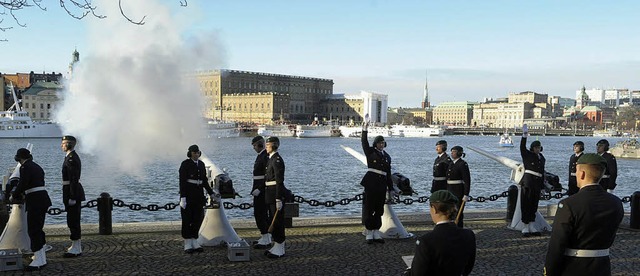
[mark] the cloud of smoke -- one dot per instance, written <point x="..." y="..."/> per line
<point x="129" y="101"/>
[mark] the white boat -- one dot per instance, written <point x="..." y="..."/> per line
<point x="414" y="131"/>
<point x="605" y="133"/>
<point x="219" y="129"/>
<point x="277" y="130"/>
<point x="356" y="131"/>
<point x="629" y="148"/>
<point x="16" y="123"/>
<point x="316" y="131"/>
<point x="505" y="140"/>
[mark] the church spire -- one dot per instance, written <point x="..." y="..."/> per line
<point x="425" y="97"/>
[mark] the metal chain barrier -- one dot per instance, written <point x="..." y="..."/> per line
<point x="300" y="199"/>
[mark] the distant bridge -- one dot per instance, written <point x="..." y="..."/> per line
<point x="536" y="132"/>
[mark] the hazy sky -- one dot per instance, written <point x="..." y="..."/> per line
<point x="471" y="49"/>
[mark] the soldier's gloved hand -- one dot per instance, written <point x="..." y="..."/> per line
<point x="255" y="192"/>
<point x="525" y="130"/>
<point x="465" y="198"/>
<point x="72" y="202"/>
<point x="610" y="191"/>
<point x="364" y="126"/>
<point x="183" y="202"/>
<point x="278" y="204"/>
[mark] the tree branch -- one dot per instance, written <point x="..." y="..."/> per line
<point x="141" y="22"/>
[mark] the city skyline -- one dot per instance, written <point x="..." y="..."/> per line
<point x="471" y="50"/>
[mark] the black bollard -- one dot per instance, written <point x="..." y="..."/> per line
<point x="511" y="201"/>
<point x="635" y="211"/>
<point x="105" y="205"/>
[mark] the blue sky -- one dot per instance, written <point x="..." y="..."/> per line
<point x="471" y="49"/>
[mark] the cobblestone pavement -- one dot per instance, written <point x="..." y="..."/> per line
<point x="318" y="246"/>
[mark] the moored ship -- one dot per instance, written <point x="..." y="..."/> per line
<point x="629" y="148"/>
<point x="16" y="123"/>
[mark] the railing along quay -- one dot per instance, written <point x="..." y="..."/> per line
<point x="535" y="132"/>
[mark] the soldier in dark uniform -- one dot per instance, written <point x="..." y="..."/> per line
<point x="610" y="176"/>
<point x="37" y="202"/>
<point x="531" y="183"/>
<point x="585" y="225"/>
<point x="376" y="182"/>
<point x="274" y="196"/>
<point x="72" y="194"/>
<point x="459" y="179"/>
<point x="193" y="178"/>
<point x="578" y="148"/>
<point x="260" y="212"/>
<point x="440" y="166"/>
<point x="448" y="249"/>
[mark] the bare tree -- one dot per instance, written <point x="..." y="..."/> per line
<point x="77" y="9"/>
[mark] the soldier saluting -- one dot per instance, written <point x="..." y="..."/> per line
<point x="376" y="182"/>
<point x="531" y="183"/>
<point x="72" y="194"/>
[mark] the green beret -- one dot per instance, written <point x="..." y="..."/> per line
<point x="443" y="196"/>
<point x="593" y="159"/>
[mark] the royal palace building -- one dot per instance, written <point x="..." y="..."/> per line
<point x="261" y="97"/>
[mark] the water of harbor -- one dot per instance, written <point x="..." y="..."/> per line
<point x="316" y="168"/>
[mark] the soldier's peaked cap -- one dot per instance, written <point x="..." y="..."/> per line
<point x="441" y="142"/>
<point x="256" y="139"/>
<point x="68" y="138"/>
<point x="273" y="139"/>
<point x="194" y="148"/>
<point x="443" y="196"/>
<point x="593" y="159"/>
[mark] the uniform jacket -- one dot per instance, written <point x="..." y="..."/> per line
<point x="379" y="160"/>
<point x="460" y="171"/>
<point x="573" y="161"/>
<point x="612" y="172"/>
<point x="440" y="166"/>
<point x="32" y="176"/>
<point x="71" y="169"/>
<point x="193" y="192"/>
<point x="447" y="250"/>
<point x="275" y="172"/>
<point x="586" y="220"/>
<point x="259" y="168"/>
<point x="532" y="162"/>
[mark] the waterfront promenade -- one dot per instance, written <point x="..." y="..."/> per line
<point x="315" y="246"/>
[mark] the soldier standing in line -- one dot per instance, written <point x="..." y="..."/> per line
<point x="193" y="178"/>
<point x="585" y="225"/>
<point x="608" y="180"/>
<point x="376" y="182"/>
<point x="37" y="202"/>
<point x="448" y="249"/>
<point x="440" y="166"/>
<point x="260" y="212"/>
<point x="459" y="179"/>
<point x="72" y="194"/>
<point x="274" y="196"/>
<point x="578" y="148"/>
<point x="531" y="183"/>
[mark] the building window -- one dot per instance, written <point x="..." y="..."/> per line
<point x="41" y="107"/>
<point x="48" y="106"/>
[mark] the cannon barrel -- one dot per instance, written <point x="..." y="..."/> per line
<point x="517" y="169"/>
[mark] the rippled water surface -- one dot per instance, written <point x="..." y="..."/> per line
<point x="316" y="168"/>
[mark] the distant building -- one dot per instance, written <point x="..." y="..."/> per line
<point x="41" y="99"/>
<point x="501" y="114"/>
<point x="453" y="113"/>
<point x="343" y="109"/>
<point x="259" y="107"/>
<point x="75" y="58"/>
<point x="305" y="93"/>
